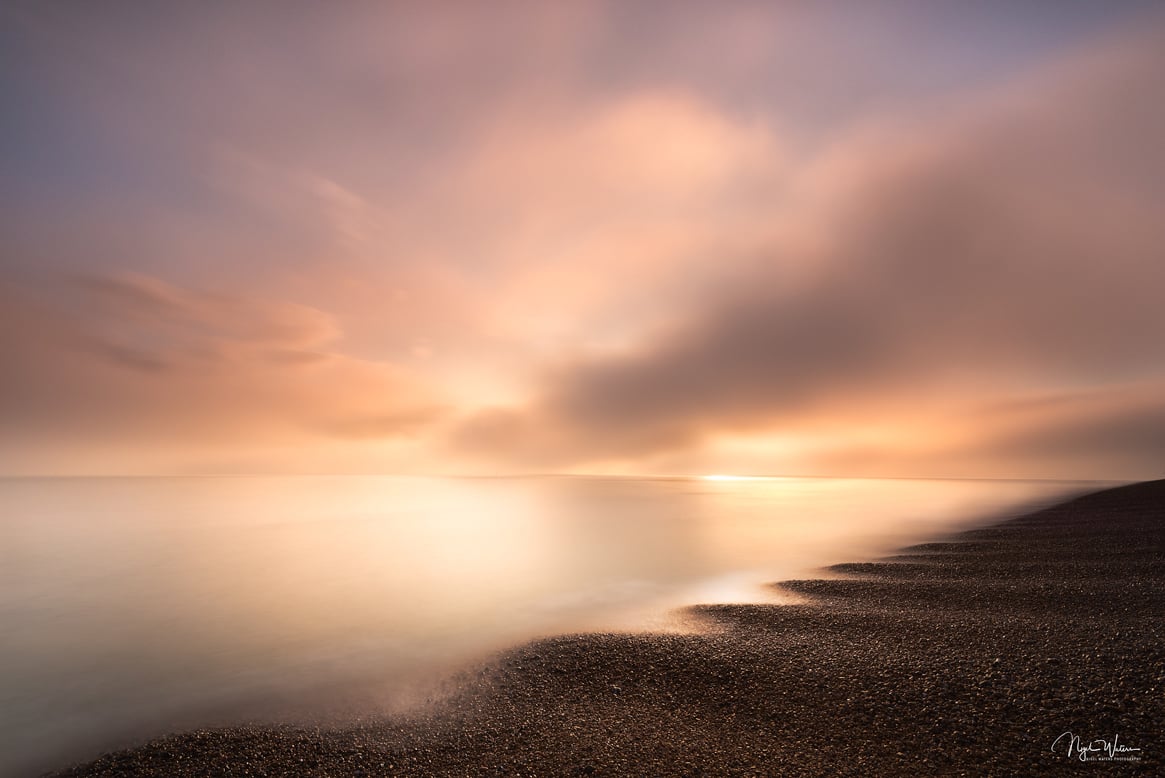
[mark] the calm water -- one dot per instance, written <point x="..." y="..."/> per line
<point x="130" y="607"/>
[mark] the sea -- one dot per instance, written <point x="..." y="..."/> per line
<point x="134" y="607"/>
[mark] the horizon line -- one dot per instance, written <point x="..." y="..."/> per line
<point x="711" y="477"/>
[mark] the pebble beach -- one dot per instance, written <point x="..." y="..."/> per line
<point x="1034" y="646"/>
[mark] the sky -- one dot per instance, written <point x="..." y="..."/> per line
<point x="891" y="238"/>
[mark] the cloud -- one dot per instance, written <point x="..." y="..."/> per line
<point x="602" y="218"/>
<point x="1112" y="432"/>
<point x="1010" y="246"/>
<point x="144" y="322"/>
<point x="1122" y="426"/>
<point x="162" y="375"/>
<point x="388" y="425"/>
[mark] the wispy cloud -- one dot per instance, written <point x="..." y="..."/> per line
<point x="159" y="373"/>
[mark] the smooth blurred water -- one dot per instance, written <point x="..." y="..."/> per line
<point x="131" y="607"/>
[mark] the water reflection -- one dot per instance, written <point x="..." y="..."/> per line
<point x="133" y="606"/>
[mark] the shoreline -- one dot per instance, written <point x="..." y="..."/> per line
<point x="964" y="656"/>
